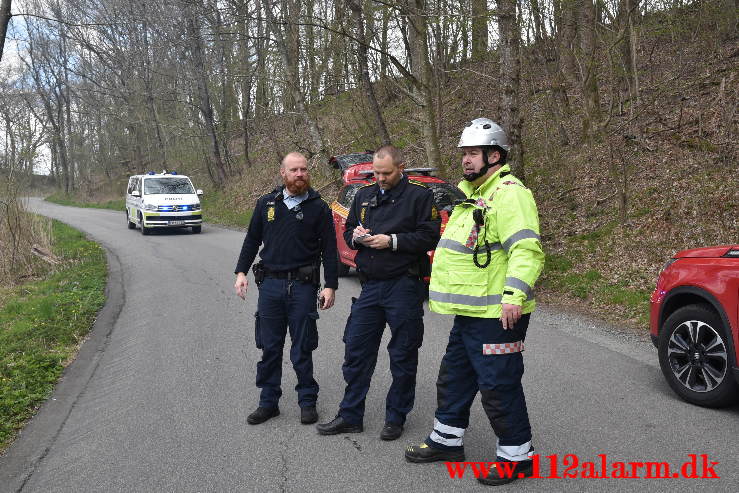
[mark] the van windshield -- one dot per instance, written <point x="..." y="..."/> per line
<point x="167" y="186"/>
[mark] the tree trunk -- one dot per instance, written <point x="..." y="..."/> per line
<point x="4" y="21"/>
<point x="626" y="19"/>
<point x="247" y="81"/>
<point x="356" y="7"/>
<point x="150" y="97"/>
<point x="337" y="51"/>
<point x="206" y="108"/>
<point x="421" y="68"/>
<point x="589" y="72"/>
<point x="291" y="73"/>
<point x="510" y="41"/>
<point x="536" y="14"/>
<point x="566" y="23"/>
<point x="261" y="100"/>
<point x="479" y="29"/>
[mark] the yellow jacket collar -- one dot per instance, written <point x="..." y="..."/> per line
<point x="487" y="185"/>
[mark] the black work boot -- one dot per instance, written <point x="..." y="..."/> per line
<point x="338" y="425"/>
<point x="262" y="414"/>
<point x="391" y="431"/>
<point x="308" y="415"/>
<point x="423" y="453"/>
<point x="507" y="471"/>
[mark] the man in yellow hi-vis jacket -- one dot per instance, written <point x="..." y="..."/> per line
<point x="484" y="271"/>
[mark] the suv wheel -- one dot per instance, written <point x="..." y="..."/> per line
<point x="144" y="231"/>
<point x="694" y="357"/>
<point x="196" y="229"/>
<point x="128" y="221"/>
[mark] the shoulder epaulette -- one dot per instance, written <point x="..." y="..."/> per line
<point x="511" y="182"/>
<point x="367" y="185"/>
<point x="420" y="184"/>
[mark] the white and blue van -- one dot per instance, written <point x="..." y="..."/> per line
<point x="163" y="200"/>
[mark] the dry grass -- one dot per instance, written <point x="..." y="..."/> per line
<point x="25" y="239"/>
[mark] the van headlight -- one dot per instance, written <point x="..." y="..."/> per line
<point x="195" y="207"/>
<point x="150" y="207"/>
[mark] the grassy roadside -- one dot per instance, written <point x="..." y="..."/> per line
<point x="219" y="209"/>
<point x="63" y="199"/>
<point x="571" y="277"/>
<point x="43" y="323"/>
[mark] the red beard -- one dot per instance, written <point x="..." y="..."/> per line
<point x="297" y="186"/>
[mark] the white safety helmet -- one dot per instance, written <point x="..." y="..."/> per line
<point x="482" y="132"/>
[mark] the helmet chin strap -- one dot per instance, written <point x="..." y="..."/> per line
<point x="483" y="170"/>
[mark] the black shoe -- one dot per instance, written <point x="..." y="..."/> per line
<point x="262" y="414"/>
<point x="308" y="415"/>
<point x="391" y="431"/>
<point x="423" y="453"/>
<point x="501" y="475"/>
<point x="338" y="425"/>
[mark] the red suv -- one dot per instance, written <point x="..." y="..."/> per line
<point x="357" y="172"/>
<point x="694" y="324"/>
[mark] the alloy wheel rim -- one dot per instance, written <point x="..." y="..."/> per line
<point x="697" y="356"/>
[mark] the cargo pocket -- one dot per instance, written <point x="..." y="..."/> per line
<point x="257" y="332"/>
<point x="310" y="338"/>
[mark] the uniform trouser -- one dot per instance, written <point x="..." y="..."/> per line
<point x="465" y="370"/>
<point x="399" y="303"/>
<point x="282" y="304"/>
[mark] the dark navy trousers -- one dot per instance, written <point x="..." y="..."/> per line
<point x="399" y="303"/>
<point x="286" y="304"/>
<point x="465" y="370"/>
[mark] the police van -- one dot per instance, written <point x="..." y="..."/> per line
<point x="163" y="200"/>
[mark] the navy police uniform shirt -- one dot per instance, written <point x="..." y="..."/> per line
<point x="406" y="211"/>
<point x="293" y="237"/>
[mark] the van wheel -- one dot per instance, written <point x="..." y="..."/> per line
<point x="196" y="229"/>
<point x="128" y="221"/>
<point x="144" y="231"/>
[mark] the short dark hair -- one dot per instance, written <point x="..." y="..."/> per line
<point x="392" y="151"/>
<point x="503" y="153"/>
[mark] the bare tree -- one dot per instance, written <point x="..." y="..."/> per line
<point x="510" y="70"/>
<point x="292" y="76"/>
<point x="4" y="21"/>
<point x="479" y="29"/>
<point x="356" y="7"/>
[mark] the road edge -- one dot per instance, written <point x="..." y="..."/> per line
<point x="38" y="436"/>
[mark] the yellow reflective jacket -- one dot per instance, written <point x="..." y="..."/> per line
<point x="511" y="229"/>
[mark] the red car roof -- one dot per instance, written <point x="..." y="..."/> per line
<point x="362" y="173"/>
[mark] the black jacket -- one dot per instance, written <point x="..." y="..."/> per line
<point x="408" y="211"/>
<point x="290" y="243"/>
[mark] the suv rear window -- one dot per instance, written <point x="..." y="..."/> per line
<point x="445" y="195"/>
<point x="347" y="195"/>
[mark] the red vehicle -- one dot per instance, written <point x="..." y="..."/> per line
<point x="694" y="324"/>
<point x="357" y="172"/>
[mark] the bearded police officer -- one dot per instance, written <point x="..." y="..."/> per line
<point x="392" y="223"/>
<point x="484" y="270"/>
<point x="296" y="227"/>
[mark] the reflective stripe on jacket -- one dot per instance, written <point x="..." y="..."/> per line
<point x="511" y="228"/>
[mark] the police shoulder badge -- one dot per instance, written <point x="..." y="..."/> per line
<point x="271" y="213"/>
<point x="434" y="213"/>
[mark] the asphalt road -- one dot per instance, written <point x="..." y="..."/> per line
<point x="158" y="398"/>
